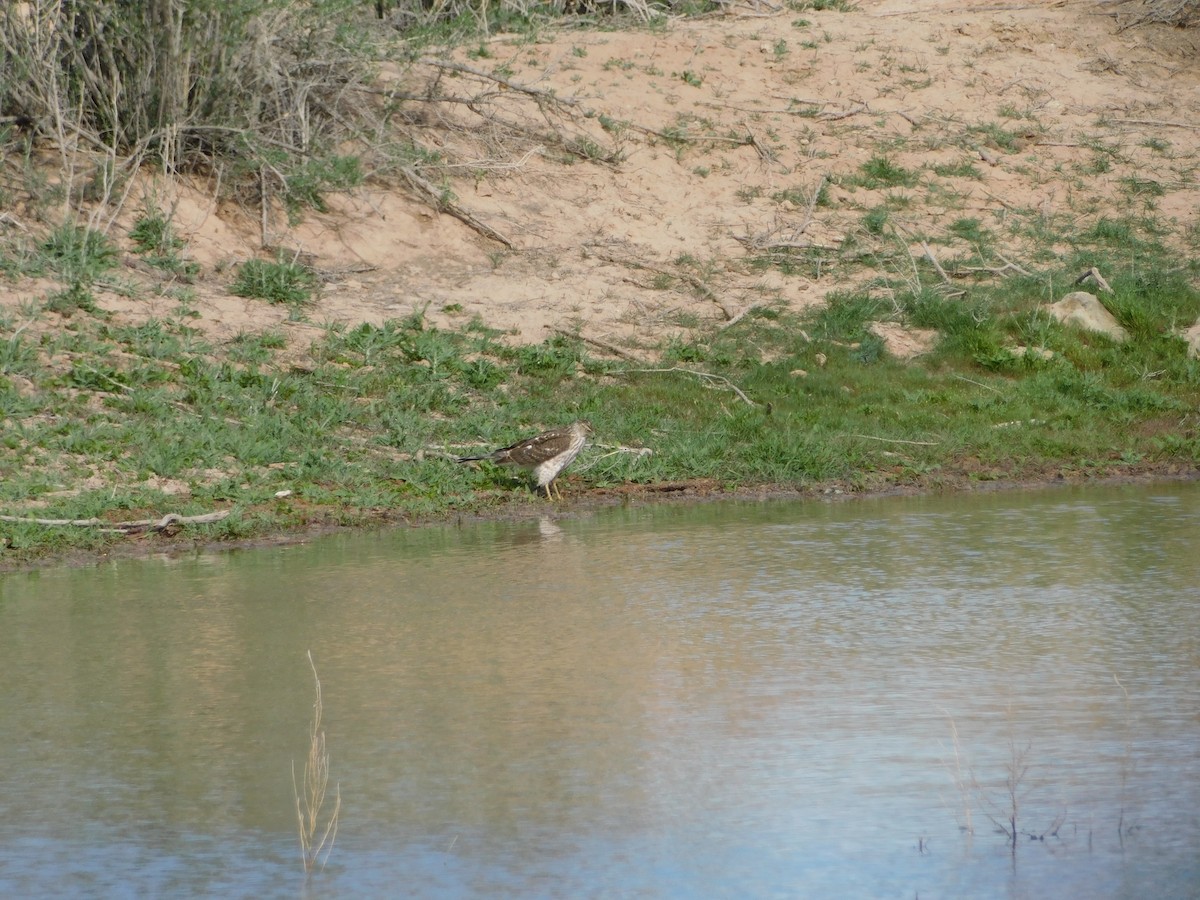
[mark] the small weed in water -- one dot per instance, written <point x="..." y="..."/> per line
<point x="317" y="827"/>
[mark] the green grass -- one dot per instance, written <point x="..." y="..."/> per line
<point x="359" y="426"/>
<point x="881" y="172"/>
<point x="78" y="254"/>
<point x="284" y="281"/>
<point x="361" y="433"/>
<point x="153" y="236"/>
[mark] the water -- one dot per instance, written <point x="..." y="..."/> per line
<point x="733" y="700"/>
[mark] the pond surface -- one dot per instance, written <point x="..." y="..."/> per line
<point x="729" y="700"/>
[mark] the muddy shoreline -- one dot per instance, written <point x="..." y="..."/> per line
<point x="577" y="503"/>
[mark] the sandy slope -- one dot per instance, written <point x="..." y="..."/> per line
<point x="764" y="106"/>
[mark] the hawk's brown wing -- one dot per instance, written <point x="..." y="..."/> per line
<point x="536" y="450"/>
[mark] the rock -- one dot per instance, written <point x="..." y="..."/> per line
<point x="901" y="342"/>
<point x="1083" y="310"/>
<point x="1192" y="336"/>
<point x="1035" y="352"/>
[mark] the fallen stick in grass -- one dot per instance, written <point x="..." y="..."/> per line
<point x="135" y="527"/>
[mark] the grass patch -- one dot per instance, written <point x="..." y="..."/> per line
<point x="881" y="172"/>
<point x="361" y="433"/>
<point x="283" y="281"/>
<point x="78" y="254"/>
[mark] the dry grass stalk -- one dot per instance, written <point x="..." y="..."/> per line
<point x="1180" y="13"/>
<point x="963" y="779"/>
<point x="1003" y="809"/>
<point x="311" y="799"/>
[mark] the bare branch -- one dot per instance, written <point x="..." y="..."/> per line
<point x="158" y="525"/>
<point x="442" y="201"/>
<point x="719" y="380"/>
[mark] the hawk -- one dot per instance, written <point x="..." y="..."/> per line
<point x="545" y="454"/>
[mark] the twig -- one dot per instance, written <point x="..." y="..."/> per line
<point x="1012" y="265"/>
<point x="637" y="453"/>
<point x="764" y="241"/>
<point x="784" y="245"/>
<point x="764" y="152"/>
<point x="539" y="95"/>
<point x="959" y="782"/>
<point x="697" y="285"/>
<point x="977" y="383"/>
<point x="999" y="200"/>
<point x="995" y="270"/>
<point x="602" y="345"/>
<point x="443" y="202"/>
<point x="733" y="320"/>
<point x="1003" y="7"/>
<point x="812" y="204"/>
<point x="844" y="114"/>
<point x="761" y="242"/>
<point x="158" y="525"/>
<point x="1187" y="125"/>
<point x="491" y="165"/>
<point x="1093" y="274"/>
<point x="933" y="259"/>
<point x="719" y="379"/>
<point x="498" y="79"/>
<point x="872" y="437"/>
<point x="10" y="219"/>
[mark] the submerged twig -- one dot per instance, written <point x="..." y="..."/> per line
<point x="960" y="782"/>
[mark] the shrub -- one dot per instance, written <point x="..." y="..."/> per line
<point x="186" y="80"/>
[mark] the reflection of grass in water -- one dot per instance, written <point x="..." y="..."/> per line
<point x="311" y="800"/>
